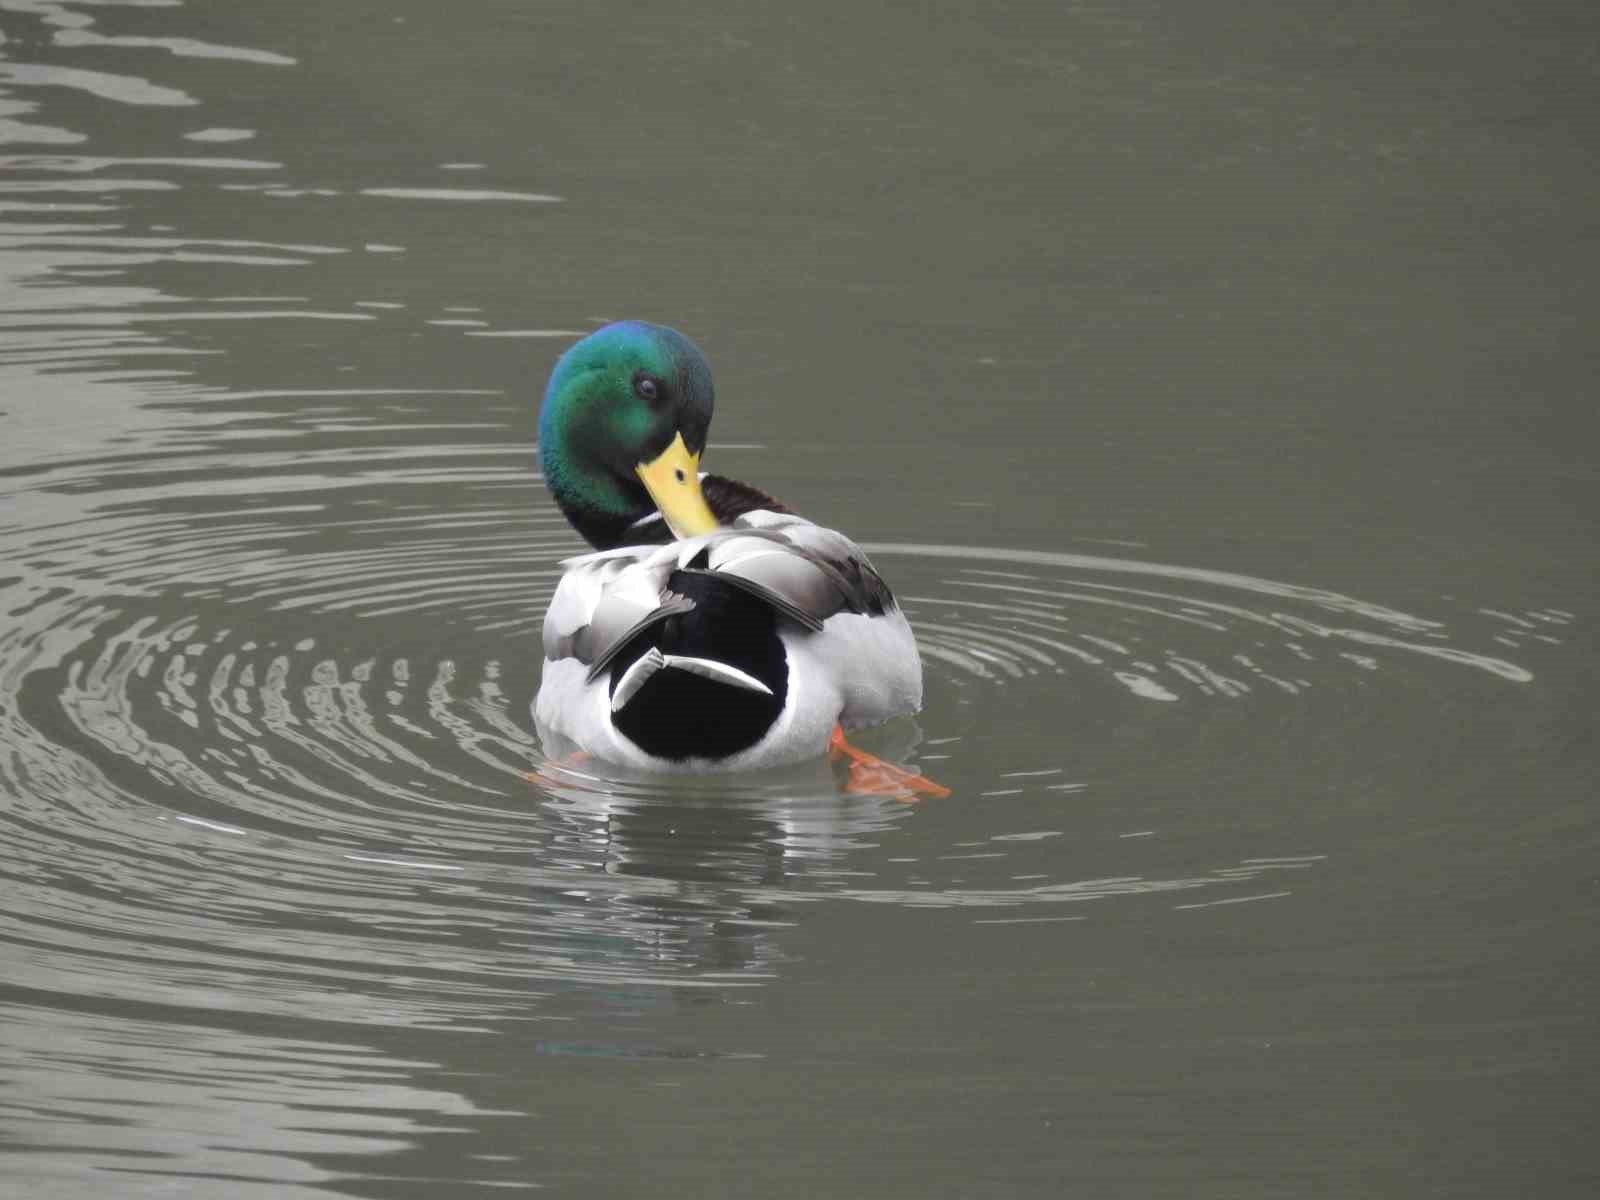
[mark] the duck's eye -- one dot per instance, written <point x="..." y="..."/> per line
<point x="646" y="387"/>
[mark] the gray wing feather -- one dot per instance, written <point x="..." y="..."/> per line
<point x="766" y="595"/>
<point x="600" y="600"/>
<point x="805" y="572"/>
<point x="840" y="577"/>
<point x="609" y="645"/>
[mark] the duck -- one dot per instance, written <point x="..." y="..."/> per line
<point x="711" y="628"/>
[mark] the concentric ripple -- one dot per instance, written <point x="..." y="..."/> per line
<point x="276" y="753"/>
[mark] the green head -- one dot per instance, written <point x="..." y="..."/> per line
<point x="627" y="397"/>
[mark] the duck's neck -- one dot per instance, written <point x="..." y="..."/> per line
<point x="606" y="532"/>
<point x="602" y="508"/>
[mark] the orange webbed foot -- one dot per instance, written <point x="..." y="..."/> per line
<point x="872" y="776"/>
<point x="566" y="762"/>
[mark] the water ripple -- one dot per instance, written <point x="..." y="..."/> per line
<point x="227" y="778"/>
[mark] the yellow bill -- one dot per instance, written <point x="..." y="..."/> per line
<point x="673" y="481"/>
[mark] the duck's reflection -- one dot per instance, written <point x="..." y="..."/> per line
<point x="700" y="870"/>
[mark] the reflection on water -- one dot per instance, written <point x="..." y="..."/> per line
<point x="280" y="849"/>
<point x="138" y="1101"/>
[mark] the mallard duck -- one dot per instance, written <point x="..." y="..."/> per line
<point x="713" y="628"/>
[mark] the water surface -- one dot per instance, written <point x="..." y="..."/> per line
<point x="1214" y="390"/>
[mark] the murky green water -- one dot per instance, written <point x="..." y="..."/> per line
<point x="1215" y="385"/>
